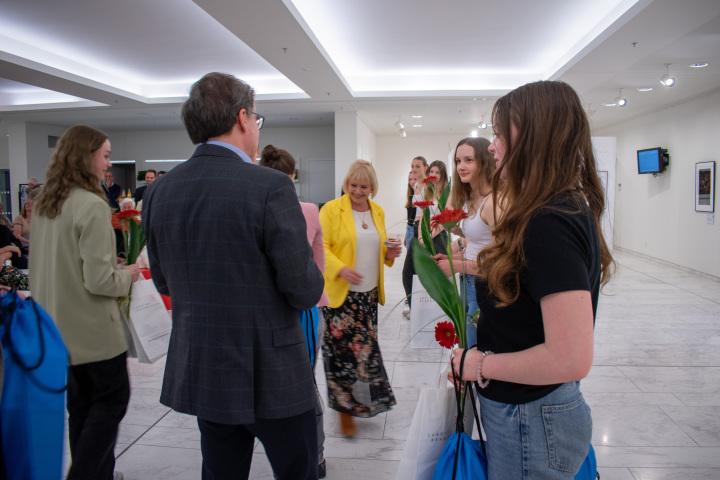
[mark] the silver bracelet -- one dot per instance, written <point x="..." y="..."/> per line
<point x="482" y="381"/>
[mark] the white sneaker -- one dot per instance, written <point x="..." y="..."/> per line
<point x="406" y="311"/>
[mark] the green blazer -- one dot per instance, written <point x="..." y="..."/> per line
<point x="74" y="276"/>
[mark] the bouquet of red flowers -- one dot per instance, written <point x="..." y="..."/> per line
<point x="134" y="240"/>
<point x="443" y="290"/>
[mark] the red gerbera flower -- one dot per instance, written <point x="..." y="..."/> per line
<point x="423" y="204"/>
<point x="445" y="334"/>
<point x="448" y="218"/>
<point x="431" y="178"/>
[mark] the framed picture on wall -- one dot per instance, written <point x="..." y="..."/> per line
<point x="705" y="187"/>
<point x="23" y="191"/>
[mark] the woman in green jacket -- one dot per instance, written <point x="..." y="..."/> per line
<point x="75" y="276"/>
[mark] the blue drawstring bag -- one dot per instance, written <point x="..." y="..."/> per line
<point x="309" y="320"/>
<point x="588" y="469"/>
<point x="463" y="458"/>
<point x="32" y="410"/>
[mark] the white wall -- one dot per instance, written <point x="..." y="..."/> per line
<point x="656" y="216"/>
<point x="394" y="154"/>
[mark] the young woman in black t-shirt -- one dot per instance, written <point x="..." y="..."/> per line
<point x="538" y="286"/>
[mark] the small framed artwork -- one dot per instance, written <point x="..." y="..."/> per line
<point x="23" y="191"/>
<point x="705" y="187"/>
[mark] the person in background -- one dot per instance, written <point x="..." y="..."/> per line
<point x="410" y="208"/>
<point x="127" y="204"/>
<point x="113" y="191"/>
<point x="234" y="257"/>
<point x="76" y="279"/>
<point x="5" y="220"/>
<point x="161" y="173"/>
<point x="281" y="160"/>
<point x="419" y="167"/>
<point x="356" y="250"/>
<point x="33" y="183"/>
<point x="21" y="223"/>
<point x="538" y="285"/>
<point x="474" y="166"/>
<point x="150" y="176"/>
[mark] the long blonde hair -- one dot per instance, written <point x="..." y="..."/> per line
<point x="552" y="154"/>
<point x="71" y="167"/>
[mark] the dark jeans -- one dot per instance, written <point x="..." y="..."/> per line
<point x="439" y="243"/>
<point x="290" y="445"/>
<point x="98" y="395"/>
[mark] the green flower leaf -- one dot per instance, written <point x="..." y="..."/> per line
<point x="442" y="201"/>
<point x="440" y="288"/>
<point x="425" y="232"/>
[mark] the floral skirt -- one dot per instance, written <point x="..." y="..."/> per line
<point x="356" y="378"/>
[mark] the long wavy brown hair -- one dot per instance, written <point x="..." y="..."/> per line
<point x="462" y="193"/>
<point x="442" y="182"/>
<point x="550" y="155"/>
<point x="71" y="167"/>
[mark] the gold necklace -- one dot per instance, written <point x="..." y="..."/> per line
<point x="362" y="219"/>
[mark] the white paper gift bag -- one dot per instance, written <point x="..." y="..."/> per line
<point x="431" y="427"/>
<point x="150" y="323"/>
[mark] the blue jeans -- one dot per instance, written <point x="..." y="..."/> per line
<point x="409" y="234"/>
<point x="471" y="306"/>
<point x="547" y="439"/>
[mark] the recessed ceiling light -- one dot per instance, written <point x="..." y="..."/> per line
<point x="644" y="89"/>
<point x="699" y="64"/>
<point x="417" y="116"/>
<point x="416" y="126"/>
<point x="610" y="104"/>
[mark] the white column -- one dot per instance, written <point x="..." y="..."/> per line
<point x="17" y="152"/>
<point x="346" y="145"/>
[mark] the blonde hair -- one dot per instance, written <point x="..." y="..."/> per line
<point x="362" y="170"/>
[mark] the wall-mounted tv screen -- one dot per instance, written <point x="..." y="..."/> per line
<point x="652" y="160"/>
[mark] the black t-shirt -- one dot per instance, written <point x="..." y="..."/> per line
<point x="562" y="253"/>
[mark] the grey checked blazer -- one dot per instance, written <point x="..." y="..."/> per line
<point x="227" y="241"/>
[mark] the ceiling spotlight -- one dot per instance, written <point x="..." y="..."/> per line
<point x="483" y="125"/>
<point x="399" y="125"/>
<point x="666" y="79"/>
<point x="699" y="64"/>
<point x="402" y="133"/>
<point x="619" y="100"/>
<point x="474" y="134"/>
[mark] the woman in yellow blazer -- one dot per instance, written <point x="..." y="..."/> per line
<point x="74" y="275"/>
<point x="356" y="249"/>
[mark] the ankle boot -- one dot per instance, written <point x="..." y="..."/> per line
<point x="347" y="424"/>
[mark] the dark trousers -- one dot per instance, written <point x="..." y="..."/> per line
<point x="290" y="445"/>
<point x="439" y="243"/>
<point x="98" y="395"/>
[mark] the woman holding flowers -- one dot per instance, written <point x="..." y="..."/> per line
<point x="356" y="249"/>
<point x="75" y="277"/>
<point x="474" y="166"/>
<point x="538" y="286"/>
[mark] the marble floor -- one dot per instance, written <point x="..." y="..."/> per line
<point x="654" y="390"/>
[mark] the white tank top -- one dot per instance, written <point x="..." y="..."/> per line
<point x="477" y="233"/>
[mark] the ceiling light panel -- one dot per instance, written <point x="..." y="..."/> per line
<point x="132" y="59"/>
<point x="374" y="53"/>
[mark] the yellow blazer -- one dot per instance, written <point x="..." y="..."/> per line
<point x="340" y="240"/>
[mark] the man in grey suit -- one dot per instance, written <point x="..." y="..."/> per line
<point x="227" y="242"/>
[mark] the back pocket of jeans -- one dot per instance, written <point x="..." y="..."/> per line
<point x="568" y="429"/>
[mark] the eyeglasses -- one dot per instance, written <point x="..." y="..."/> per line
<point x="260" y="119"/>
